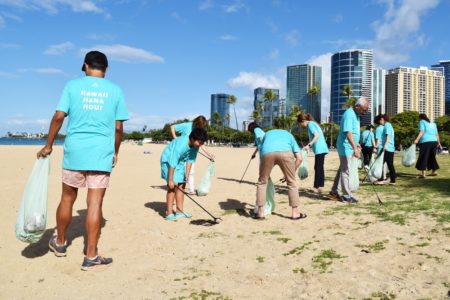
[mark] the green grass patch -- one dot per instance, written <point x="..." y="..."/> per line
<point x="299" y="270"/>
<point x="211" y="234"/>
<point x="283" y="239"/>
<point x="203" y="295"/>
<point x="298" y="250"/>
<point x="324" y="260"/>
<point x="260" y="259"/>
<point x="376" y="247"/>
<point x="381" y="296"/>
<point x="423" y="244"/>
<point x="273" y="232"/>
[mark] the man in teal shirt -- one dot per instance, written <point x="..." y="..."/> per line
<point x="347" y="146"/>
<point x="279" y="148"/>
<point x="96" y="110"/>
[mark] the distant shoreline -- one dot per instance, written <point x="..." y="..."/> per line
<point x="15" y="141"/>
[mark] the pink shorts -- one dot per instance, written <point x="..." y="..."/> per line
<point x="91" y="179"/>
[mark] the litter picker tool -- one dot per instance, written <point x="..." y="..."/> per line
<point x="240" y="181"/>
<point x="215" y="220"/>
<point x="373" y="186"/>
<point x="206" y="156"/>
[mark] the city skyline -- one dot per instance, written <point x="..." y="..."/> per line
<point x="170" y="57"/>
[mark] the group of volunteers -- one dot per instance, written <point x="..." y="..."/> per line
<point x="96" y="109"/>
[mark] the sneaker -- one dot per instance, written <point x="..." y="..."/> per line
<point x="350" y="200"/>
<point x="59" y="250"/>
<point x="392" y="183"/>
<point x="98" y="262"/>
<point x="171" y="217"/>
<point x="183" y="215"/>
<point x="334" y="196"/>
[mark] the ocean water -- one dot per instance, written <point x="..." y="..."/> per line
<point x="26" y="142"/>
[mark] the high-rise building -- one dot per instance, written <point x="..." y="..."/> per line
<point x="444" y="67"/>
<point x="299" y="83"/>
<point x="282" y="107"/>
<point x="415" y="89"/>
<point x="267" y="112"/>
<point x="353" y="68"/>
<point x="219" y="104"/>
<point x="378" y="91"/>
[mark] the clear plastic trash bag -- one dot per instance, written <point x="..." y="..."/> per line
<point x="32" y="215"/>
<point x="269" y="207"/>
<point x="354" y="174"/>
<point x="205" y="184"/>
<point x="376" y="171"/>
<point x="360" y="162"/>
<point x="409" y="156"/>
<point x="303" y="169"/>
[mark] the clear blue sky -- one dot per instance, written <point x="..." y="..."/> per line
<point x="170" y="55"/>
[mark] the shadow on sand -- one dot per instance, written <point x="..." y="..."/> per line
<point x="237" y="180"/>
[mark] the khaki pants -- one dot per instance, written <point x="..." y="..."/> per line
<point x="286" y="162"/>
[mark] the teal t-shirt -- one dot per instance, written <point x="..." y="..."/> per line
<point x="179" y="152"/>
<point x="366" y="138"/>
<point x="349" y="123"/>
<point x="429" y="131"/>
<point x="319" y="146"/>
<point x="378" y="136"/>
<point x="259" y="136"/>
<point x="388" y="130"/>
<point x="93" y="105"/>
<point x="184" y="128"/>
<point x="278" y="140"/>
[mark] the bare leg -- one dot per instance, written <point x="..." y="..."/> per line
<point x="64" y="212"/>
<point x="94" y="218"/>
<point x="179" y="196"/>
<point x="170" y="196"/>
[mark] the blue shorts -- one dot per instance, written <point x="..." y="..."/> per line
<point x="179" y="174"/>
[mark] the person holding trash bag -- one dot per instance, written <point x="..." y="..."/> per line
<point x="388" y="147"/>
<point x="348" y="145"/>
<point x="186" y="129"/>
<point x="176" y="161"/>
<point x="379" y="144"/>
<point x="367" y="145"/>
<point x="428" y="140"/>
<point x="319" y="147"/>
<point x="96" y="109"/>
<point x="279" y="148"/>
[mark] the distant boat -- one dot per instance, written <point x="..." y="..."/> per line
<point x="147" y="140"/>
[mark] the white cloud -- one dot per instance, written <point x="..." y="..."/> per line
<point x="324" y="61"/>
<point x="233" y="8"/>
<point x="207" y="4"/>
<point x="338" y="18"/>
<point x="59" y="49"/>
<point x="44" y="71"/>
<point x="7" y="75"/>
<point x="273" y="54"/>
<point x="292" y="38"/>
<point x="228" y="37"/>
<point x="53" y="6"/>
<point x="252" y="80"/>
<point x="22" y="121"/>
<point x="9" y="46"/>
<point x="398" y="34"/>
<point x="138" y="121"/>
<point x="126" y="54"/>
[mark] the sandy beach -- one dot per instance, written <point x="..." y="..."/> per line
<point x="337" y="252"/>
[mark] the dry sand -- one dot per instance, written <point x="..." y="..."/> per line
<point x="240" y="258"/>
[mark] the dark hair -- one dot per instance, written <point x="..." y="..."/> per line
<point x="369" y="127"/>
<point x="199" y="122"/>
<point x="95" y="60"/>
<point x="252" y="126"/>
<point x="199" y="134"/>
<point x="377" y="119"/>
<point x="424" y="117"/>
<point x="302" y="117"/>
<point x="385" y="117"/>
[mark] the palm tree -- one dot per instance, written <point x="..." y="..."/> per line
<point x="217" y="120"/>
<point x="270" y="96"/>
<point x="347" y="91"/>
<point x="292" y="117"/>
<point x="312" y="93"/>
<point x="232" y="100"/>
<point x="256" y="116"/>
<point x="227" y="119"/>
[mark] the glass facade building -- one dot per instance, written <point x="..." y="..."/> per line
<point x="300" y="80"/>
<point x="219" y="104"/>
<point x="354" y="68"/>
<point x="378" y="92"/>
<point x="264" y="106"/>
<point x="444" y="67"/>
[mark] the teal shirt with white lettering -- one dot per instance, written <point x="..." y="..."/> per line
<point x="319" y="146"/>
<point x="366" y="138"/>
<point x="388" y="130"/>
<point x="278" y="140"/>
<point x="349" y="123"/>
<point x="184" y="128"/>
<point x="93" y="105"/>
<point x="378" y="136"/>
<point x="178" y="152"/>
<point x="429" y="131"/>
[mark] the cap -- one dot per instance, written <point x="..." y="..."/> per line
<point x="96" y="60"/>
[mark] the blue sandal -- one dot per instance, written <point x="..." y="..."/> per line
<point x="183" y="215"/>
<point x="171" y="217"/>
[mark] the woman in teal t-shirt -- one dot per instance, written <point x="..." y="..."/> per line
<point x="319" y="147"/>
<point x="388" y="147"/>
<point x="428" y="140"/>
